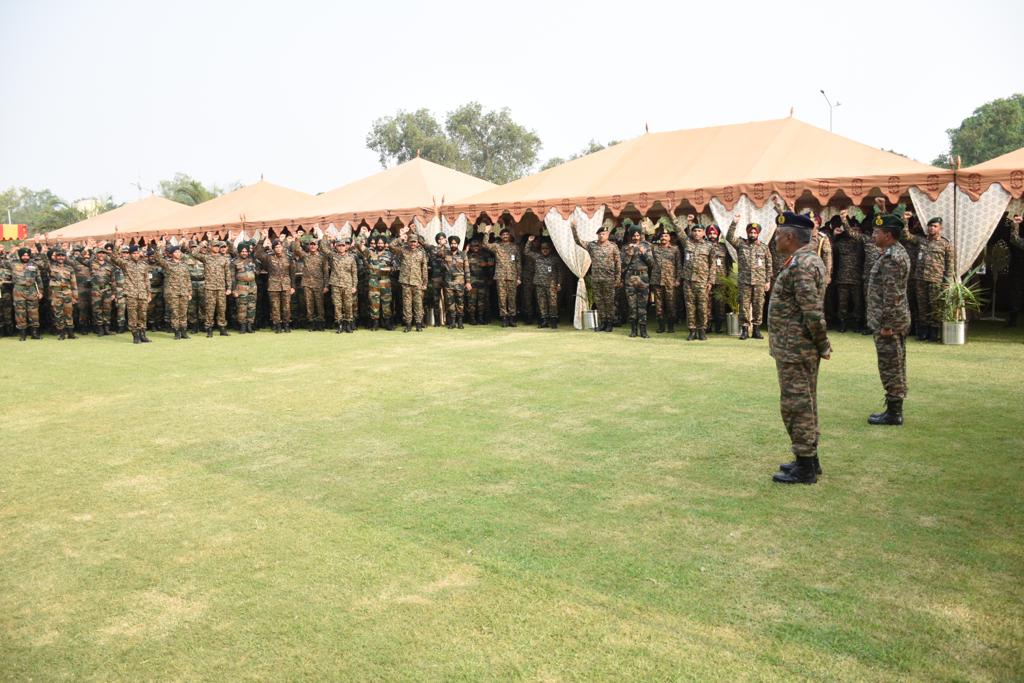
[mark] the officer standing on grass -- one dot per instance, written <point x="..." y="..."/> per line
<point x="889" y="316"/>
<point x="798" y="342"/>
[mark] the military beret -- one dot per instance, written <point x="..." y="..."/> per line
<point x="132" y="248"/>
<point x="602" y="229"/>
<point x="76" y="250"/>
<point x="937" y="220"/>
<point x="753" y="226"/>
<point x="788" y="219"/>
<point x="149" y="251"/>
<point x="454" y="238"/>
<point x="125" y="249"/>
<point x="109" y="246"/>
<point x="58" y="252"/>
<point x="275" y="242"/>
<point x="889" y="221"/>
<point x="24" y="250"/>
<point x="173" y="248"/>
<point x="220" y="243"/>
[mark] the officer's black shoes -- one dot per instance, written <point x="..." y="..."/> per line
<point x="802" y="472"/>
<point x="135" y="337"/>
<point x="701" y="336"/>
<point x="389" y="325"/>
<point x="787" y="466"/>
<point x="459" y="323"/>
<point x="512" y="321"/>
<point x="71" y="333"/>
<point x="893" y="414"/>
<point x="671" y="327"/>
<point x="743" y="333"/>
<point x="22" y="334"/>
<point x="661" y="325"/>
<point x="842" y="326"/>
<point x="542" y="324"/>
<point x="143" y="337"/>
<point x="60" y="337"/>
<point x="35" y="333"/>
<point x="757" y="333"/>
<point x="224" y="332"/>
<point x="553" y="324"/>
<point x="209" y="332"/>
<point x="1011" y="320"/>
<point x="419" y="327"/>
<point x="177" y="335"/>
<point x="287" y="328"/>
<point x="504" y="321"/>
<point x="633" y="329"/>
<point x="643" y="331"/>
<point x="934" y="334"/>
<point x="341" y="328"/>
<point x="692" y="335"/>
<point x="407" y="328"/>
<point x="865" y="330"/>
<point x="350" y="326"/>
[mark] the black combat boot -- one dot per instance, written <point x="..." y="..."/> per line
<point x="287" y="328"/>
<point x="459" y="322"/>
<point x="743" y="333"/>
<point x="71" y="333"/>
<point x="60" y="337"/>
<point x="389" y="325"/>
<point x="341" y="328"/>
<point x="35" y="332"/>
<point x="661" y="325"/>
<point x="22" y="334"/>
<point x="374" y="325"/>
<point x="643" y="331"/>
<point x="700" y="335"/>
<point x="757" y="333"/>
<point x="504" y="321"/>
<point x="136" y="339"/>
<point x="480" y="319"/>
<point x="671" y="326"/>
<point x="184" y="333"/>
<point x="437" y="320"/>
<point x="177" y="335"/>
<point x="788" y="466"/>
<point x="143" y="337"/>
<point x="209" y="332"/>
<point x="802" y="472"/>
<point x="419" y="327"/>
<point x="543" y="323"/>
<point x="692" y="335"/>
<point x="633" y="329"/>
<point x="224" y="332"/>
<point x="407" y="328"/>
<point x="842" y="326"/>
<point x="121" y="327"/>
<point x="864" y="329"/>
<point x="922" y="333"/>
<point x="554" y="322"/>
<point x="512" y="321"/>
<point x="934" y="334"/>
<point x="350" y="327"/>
<point x="718" y="326"/>
<point x="893" y="414"/>
<point x="98" y="331"/>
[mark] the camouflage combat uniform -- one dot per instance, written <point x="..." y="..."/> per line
<point x="936" y="264"/>
<point x="314" y="277"/>
<point x="136" y="290"/>
<point x="507" y="274"/>
<point x="605" y="276"/>
<point x="343" y="277"/>
<point x="177" y="289"/>
<point x="546" y="278"/>
<point x="723" y="268"/>
<point x="379" y="265"/>
<point x="63" y="294"/>
<point x="28" y="290"/>
<point x="412" y="276"/>
<point x="668" y="268"/>
<point x="476" y="299"/>
<point x="798" y="340"/>
<point x="887" y="308"/>
<point x="102" y="291"/>
<point x="456" y="277"/>
<point x="847" y="252"/>
<point x="754" y="260"/>
<point x="698" y="274"/>
<point x="217" y="282"/>
<point x="280" y="271"/>
<point x="637" y="262"/>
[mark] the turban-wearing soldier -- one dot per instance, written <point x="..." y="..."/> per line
<point x="889" y="316"/>
<point x="798" y="342"/>
<point x="755" y="269"/>
<point x="379" y="264"/>
<point x="27" y="293"/>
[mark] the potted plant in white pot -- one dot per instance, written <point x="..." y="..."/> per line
<point x="727" y="291"/>
<point x="959" y="297"/>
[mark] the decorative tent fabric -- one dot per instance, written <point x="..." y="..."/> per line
<point x="974" y="220"/>
<point x="575" y="257"/>
<point x="120" y="220"/>
<point x="1007" y="171"/>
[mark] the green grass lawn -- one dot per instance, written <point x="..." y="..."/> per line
<point x="521" y="504"/>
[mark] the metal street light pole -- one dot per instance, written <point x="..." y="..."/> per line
<point x="830" y="107"/>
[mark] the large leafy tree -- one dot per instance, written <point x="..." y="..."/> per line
<point x="40" y="210"/>
<point x="994" y="128"/>
<point x="185" y="189"/>
<point x="487" y="144"/>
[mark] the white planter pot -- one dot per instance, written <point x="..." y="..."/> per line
<point x="732" y="324"/>
<point x="954" y="333"/>
<point x="590" y="320"/>
<point x="428" y="318"/>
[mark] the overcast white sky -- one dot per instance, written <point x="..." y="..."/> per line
<point x="95" y="94"/>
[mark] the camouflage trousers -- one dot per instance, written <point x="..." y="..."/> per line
<point x="527" y="305"/>
<point x="6" y="305"/>
<point x="245" y="302"/>
<point x="195" y="304"/>
<point x="892" y="364"/>
<point x="850" y="305"/>
<point x="215" y="304"/>
<point x="604" y="299"/>
<point x="63" y="307"/>
<point x="456" y="296"/>
<point x="26" y="311"/>
<point x="280" y="307"/>
<point x="177" y="307"/>
<point x="344" y="304"/>
<point x="379" y="296"/>
<point x="412" y="304"/>
<point x="83" y="311"/>
<point x="636" y="302"/>
<point x="137" y="308"/>
<point x="507" y="291"/>
<point x="156" y="309"/>
<point x="122" y="309"/>
<point x="665" y="301"/>
<point x="751" y="301"/>
<point x="696" y="295"/>
<point x="718" y="304"/>
<point x="798" y="403"/>
<point x="476" y="302"/>
<point x="101" y="306"/>
<point x="929" y="308"/>
<point x="314" y="298"/>
<point x="547" y="300"/>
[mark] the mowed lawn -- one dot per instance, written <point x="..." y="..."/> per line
<point x="503" y="504"/>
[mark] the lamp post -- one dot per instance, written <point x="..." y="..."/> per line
<point x="830" y="107"/>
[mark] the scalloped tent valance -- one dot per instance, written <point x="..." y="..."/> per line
<point x="1006" y="170"/>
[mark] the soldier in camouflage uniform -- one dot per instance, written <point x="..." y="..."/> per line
<point x="723" y="269"/>
<point x="476" y="297"/>
<point x="280" y="271"/>
<point x="343" y="277"/>
<point x="102" y="288"/>
<point x="379" y="264"/>
<point x="457" y="281"/>
<point x="936" y="265"/>
<point x="63" y="295"/>
<point x="665" y="277"/>
<point x="637" y="263"/>
<point x="870" y="253"/>
<point x="243" y="287"/>
<point x="314" y="278"/>
<point x="436" y="270"/>
<point x="156" y="309"/>
<point x="755" y="266"/>
<point x="798" y="342"/>
<point x="136" y="288"/>
<point x="507" y="273"/>
<point x="605" y="273"/>
<point x="217" y="283"/>
<point x="177" y="286"/>
<point x="698" y="277"/>
<point x="120" y="295"/>
<point x="28" y="292"/>
<point x="847" y="252"/>
<point x="547" y="278"/>
<point x="412" y="276"/>
<point x="83" y="275"/>
<point x="197" y="275"/>
<point x="889" y="316"/>
<point x="6" y="295"/>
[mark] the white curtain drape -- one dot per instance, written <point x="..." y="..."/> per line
<point x="436" y="225"/>
<point x="575" y="257"/>
<point x="749" y="213"/>
<point x="975" y="221"/>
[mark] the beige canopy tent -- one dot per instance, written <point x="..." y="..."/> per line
<point x="402" y="192"/>
<point x="121" y="219"/>
<point x="1006" y="170"/>
<point x="784" y="156"/>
